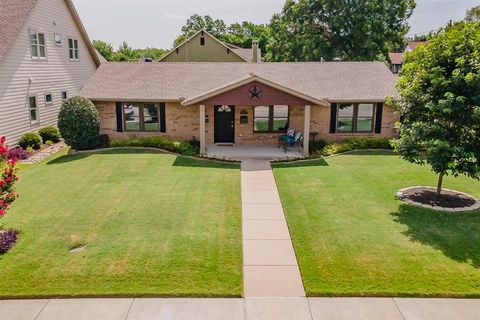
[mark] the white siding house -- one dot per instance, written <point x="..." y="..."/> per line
<point x="45" y="56"/>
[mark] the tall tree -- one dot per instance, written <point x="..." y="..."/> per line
<point x="125" y="53"/>
<point x="439" y="106"/>
<point x="473" y="14"/>
<point x="104" y="48"/>
<point x="308" y="30"/>
<point x="196" y="22"/>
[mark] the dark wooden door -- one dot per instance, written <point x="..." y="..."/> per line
<point x="224" y="124"/>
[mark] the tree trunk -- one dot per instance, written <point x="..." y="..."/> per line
<point x="440" y="182"/>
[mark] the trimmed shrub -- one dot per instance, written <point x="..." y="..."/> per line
<point x="50" y="133"/>
<point x="7" y="239"/>
<point x="317" y="145"/>
<point x="103" y="141"/>
<point x="357" y="144"/>
<point x="18" y="153"/>
<point x="79" y="123"/>
<point x="30" y="139"/>
<point x="188" y="148"/>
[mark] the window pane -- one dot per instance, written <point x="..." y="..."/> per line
<point x="151" y="117"/>
<point x="33" y="115"/>
<point x="64" y="95"/>
<point x="279" y="124"/>
<point x="345" y="124"/>
<point x="75" y="44"/>
<point x="42" y="51"/>
<point x="132" y="117"/>
<point x="33" y="38"/>
<point x="345" y="110"/>
<point x="41" y="38"/>
<point x="34" y="51"/>
<point x="261" y="124"/>
<point x="365" y="110"/>
<point x="33" y="108"/>
<point x="76" y="54"/>
<point x="70" y="43"/>
<point x="280" y="111"/>
<point x="262" y="111"/>
<point x="71" y="53"/>
<point x="48" y="98"/>
<point x="364" y="124"/>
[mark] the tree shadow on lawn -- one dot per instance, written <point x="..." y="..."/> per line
<point x="456" y="234"/>
<point x="301" y="163"/>
<point x="369" y="152"/>
<point x="204" y="163"/>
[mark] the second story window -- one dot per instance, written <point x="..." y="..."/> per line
<point x="37" y="44"/>
<point x="73" y="49"/>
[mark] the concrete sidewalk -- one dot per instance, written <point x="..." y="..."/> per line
<point x="242" y="309"/>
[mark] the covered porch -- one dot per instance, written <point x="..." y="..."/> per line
<point x="244" y="119"/>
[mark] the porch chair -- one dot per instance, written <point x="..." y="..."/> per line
<point x="289" y="134"/>
<point x="293" y="142"/>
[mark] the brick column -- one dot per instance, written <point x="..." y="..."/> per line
<point x="306" y="131"/>
<point x="203" y="148"/>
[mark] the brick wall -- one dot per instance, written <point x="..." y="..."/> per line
<point x="182" y="123"/>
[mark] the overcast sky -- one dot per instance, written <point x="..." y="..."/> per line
<point x="156" y="23"/>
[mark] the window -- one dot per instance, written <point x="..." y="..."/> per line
<point x="32" y="105"/>
<point x="48" y="98"/>
<point x="37" y="45"/>
<point x="202" y="41"/>
<point x="57" y="39"/>
<point x="73" y="49"/>
<point x="143" y="117"/>
<point x="270" y="118"/>
<point x="64" y="95"/>
<point x="355" y="117"/>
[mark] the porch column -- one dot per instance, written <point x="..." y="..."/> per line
<point x="306" y="133"/>
<point x="203" y="148"/>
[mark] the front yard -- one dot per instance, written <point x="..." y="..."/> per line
<point x="352" y="237"/>
<point x="152" y="224"/>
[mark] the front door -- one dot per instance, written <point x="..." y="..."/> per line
<point x="224" y="124"/>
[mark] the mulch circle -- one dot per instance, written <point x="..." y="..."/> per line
<point x="448" y="200"/>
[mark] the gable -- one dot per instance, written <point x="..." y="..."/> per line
<point x="192" y="50"/>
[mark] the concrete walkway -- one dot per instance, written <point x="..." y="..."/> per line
<point x="269" y="261"/>
<point x="242" y="309"/>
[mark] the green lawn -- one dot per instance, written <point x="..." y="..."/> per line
<point x="153" y="224"/>
<point x="352" y="237"/>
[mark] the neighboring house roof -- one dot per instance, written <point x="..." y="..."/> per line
<point x="333" y="81"/>
<point x="14" y="15"/>
<point x="240" y="52"/>
<point x="413" y="44"/>
<point x="396" y="57"/>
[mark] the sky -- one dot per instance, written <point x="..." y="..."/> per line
<point x="156" y="23"/>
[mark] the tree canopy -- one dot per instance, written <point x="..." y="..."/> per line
<point x="439" y="103"/>
<point x="473" y="14"/>
<point x="125" y="52"/>
<point x="307" y="30"/>
<point x="239" y="34"/>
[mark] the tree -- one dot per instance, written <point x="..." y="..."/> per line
<point x="473" y="14"/>
<point x="439" y="104"/>
<point x="308" y="30"/>
<point x="8" y="178"/>
<point x="79" y="123"/>
<point x="125" y="53"/>
<point x="216" y="28"/>
<point x="105" y="49"/>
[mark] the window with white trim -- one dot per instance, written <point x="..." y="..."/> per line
<point x="73" y="49"/>
<point x="32" y="106"/>
<point x="48" y="98"/>
<point x="37" y="45"/>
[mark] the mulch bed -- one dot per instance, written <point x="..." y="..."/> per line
<point x="448" y="200"/>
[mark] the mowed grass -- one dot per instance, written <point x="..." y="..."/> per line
<point x="352" y="237"/>
<point x="153" y="225"/>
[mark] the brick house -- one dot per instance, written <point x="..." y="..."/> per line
<point x="243" y="103"/>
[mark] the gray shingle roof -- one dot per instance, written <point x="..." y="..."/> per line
<point x="334" y="81"/>
<point x="13" y="15"/>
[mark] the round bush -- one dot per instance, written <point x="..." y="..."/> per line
<point x="30" y="139"/>
<point x="79" y="123"/>
<point x="50" y="133"/>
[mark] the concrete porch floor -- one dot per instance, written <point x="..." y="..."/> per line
<point x="259" y="152"/>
